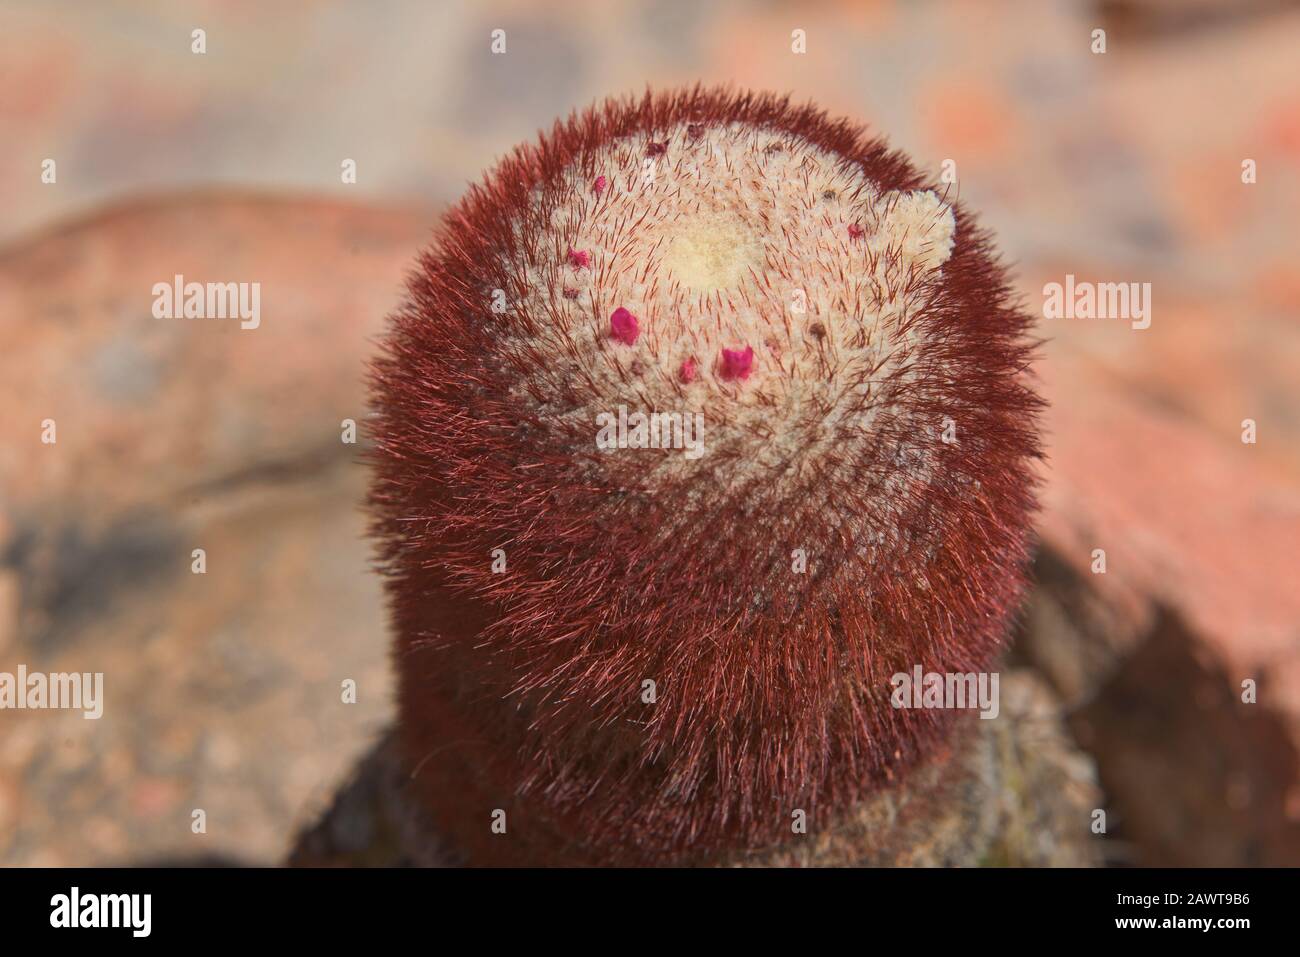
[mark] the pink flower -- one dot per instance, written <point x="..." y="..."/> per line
<point x="623" y="326"/>
<point x="600" y="185"/>
<point x="687" y="372"/>
<point x="737" y="364"/>
<point x="855" y="231"/>
<point x="580" y="258"/>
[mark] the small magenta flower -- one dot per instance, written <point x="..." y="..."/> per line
<point x="737" y="363"/>
<point x="579" y="258"/>
<point x="623" y="326"/>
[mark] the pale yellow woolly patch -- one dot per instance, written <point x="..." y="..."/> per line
<point x="713" y="252"/>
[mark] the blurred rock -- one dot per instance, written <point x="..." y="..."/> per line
<point x="175" y="435"/>
<point x="1152" y="654"/>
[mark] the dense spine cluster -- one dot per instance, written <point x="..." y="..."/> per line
<point x="639" y="654"/>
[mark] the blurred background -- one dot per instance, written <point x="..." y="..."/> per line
<point x="223" y="689"/>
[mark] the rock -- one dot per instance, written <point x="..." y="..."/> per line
<point x="172" y="436"/>
<point x="1194" y="601"/>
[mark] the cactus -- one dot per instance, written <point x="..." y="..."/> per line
<point x="637" y="655"/>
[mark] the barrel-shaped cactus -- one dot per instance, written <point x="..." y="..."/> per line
<point x="704" y="416"/>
